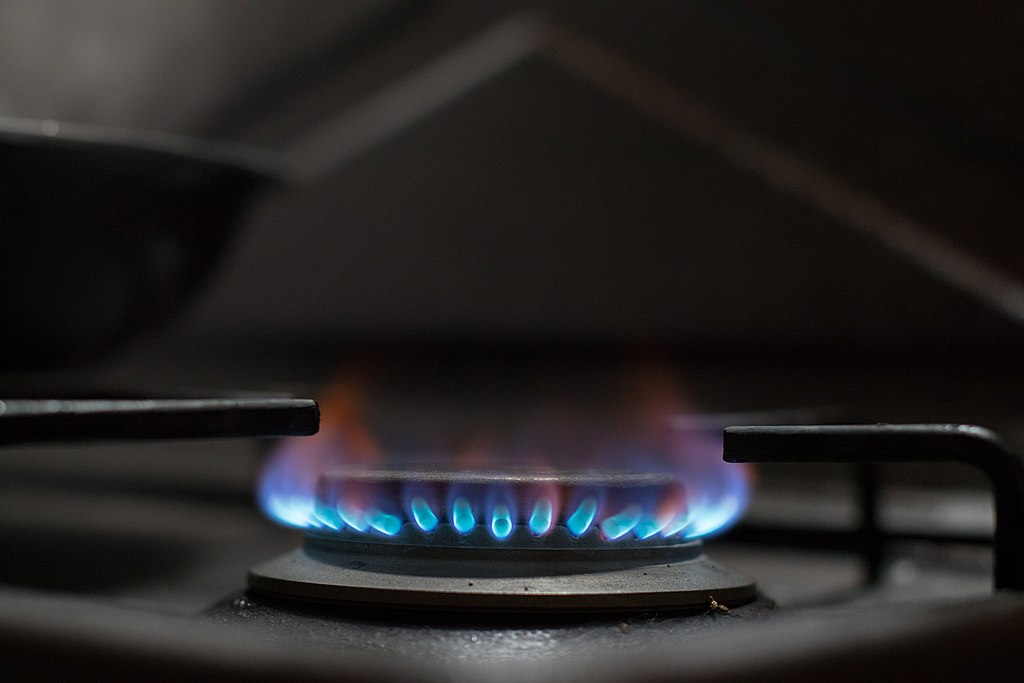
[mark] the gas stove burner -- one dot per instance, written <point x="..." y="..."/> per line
<point x="539" y="541"/>
<point x="510" y="508"/>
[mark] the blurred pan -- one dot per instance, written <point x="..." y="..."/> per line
<point x="106" y="231"/>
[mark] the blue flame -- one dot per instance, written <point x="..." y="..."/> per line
<point x="383" y="522"/>
<point x="296" y="511"/>
<point x="621" y="524"/>
<point x="540" y="520"/>
<point x="287" y="485"/>
<point x="707" y="508"/>
<point x="422" y="514"/>
<point x="677" y="525"/>
<point x="711" y="494"/>
<point x="649" y="527"/>
<point x="715" y="504"/>
<point x="501" y="521"/>
<point x="354" y="518"/>
<point x="581" y="520"/>
<point x="712" y="514"/>
<point x="462" y="516"/>
<point x="327" y="518"/>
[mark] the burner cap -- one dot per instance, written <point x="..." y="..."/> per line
<point x="515" y="508"/>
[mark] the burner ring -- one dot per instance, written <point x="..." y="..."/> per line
<point x="527" y="508"/>
<point x="500" y="579"/>
<point x="558" y="544"/>
<point x="471" y="570"/>
<point x="512" y="477"/>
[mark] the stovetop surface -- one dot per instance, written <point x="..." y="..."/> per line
<point x="88" y="566"/>
<point x="131" y="559"/>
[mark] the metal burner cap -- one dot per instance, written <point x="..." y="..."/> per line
<point x="517" y="508"/>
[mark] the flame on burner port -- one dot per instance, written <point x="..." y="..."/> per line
<point x="501" y="521"/>
<point x="542" y="517"/>
<point x="371" y="502"/>
<point x="621" y="523"/>
<point x="580" y="520"/>
<point x="287" y="487"/>
<point x="717" y="492"/>
<point x="422" y="514"/>
<point x="463" y="518"/>
<point x="643" y="432"/>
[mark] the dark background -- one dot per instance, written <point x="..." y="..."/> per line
<point x="543" y="217"/>
<point x="537" y="207"/>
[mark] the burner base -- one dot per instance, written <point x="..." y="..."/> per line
<point x="676" y="577"/>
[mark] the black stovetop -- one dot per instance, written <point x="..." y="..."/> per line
<point x="130" y="560"/>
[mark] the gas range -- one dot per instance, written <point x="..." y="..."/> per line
<point x="800" y="205"/>
<point x="130" y="561"/>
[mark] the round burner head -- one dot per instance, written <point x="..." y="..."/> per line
<point x="516" y="508"/>
<point x="501" y="542"/>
